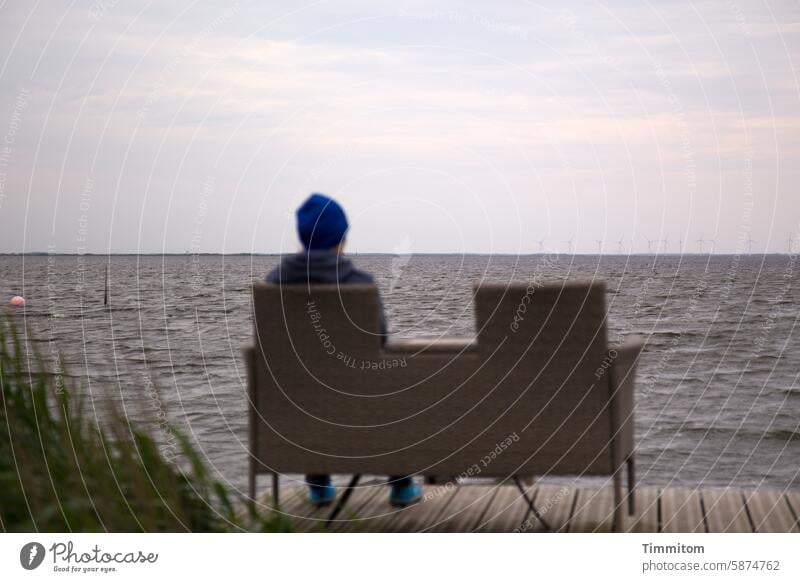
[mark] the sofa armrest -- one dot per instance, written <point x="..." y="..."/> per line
<point x="430" y="345"/>
<point x="621" y="386"/>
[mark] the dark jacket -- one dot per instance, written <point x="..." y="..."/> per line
<point x="322" y="267"/>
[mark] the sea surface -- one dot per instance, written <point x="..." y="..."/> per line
<point x="718" y="396"/>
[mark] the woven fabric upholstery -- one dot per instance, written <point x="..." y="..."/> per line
<point x="531" y="395"/>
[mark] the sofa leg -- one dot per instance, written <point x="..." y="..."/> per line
<point x="276" y="490"/>
<point x="631" y="486"/>
<point x="531" y="507"/>
<point x="348" y="491"/>
<point x="618" y="510"/>
<point x="251" y="484"/>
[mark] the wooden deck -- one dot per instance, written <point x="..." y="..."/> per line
<point x="493" y="508"/>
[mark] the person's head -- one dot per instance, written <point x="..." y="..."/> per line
<point x="321" y="224"/>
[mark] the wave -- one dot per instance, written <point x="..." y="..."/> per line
<point x="775" y="434"/>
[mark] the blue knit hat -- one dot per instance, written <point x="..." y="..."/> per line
<point x="321" y="223"/>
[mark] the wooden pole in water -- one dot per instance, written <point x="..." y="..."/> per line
<point x="105" y="294"/>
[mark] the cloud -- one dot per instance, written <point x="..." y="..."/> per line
<point x="262" y="95"/>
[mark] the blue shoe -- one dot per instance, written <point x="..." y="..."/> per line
<point x="405" y="495"/>
<point x="321" y="495"/>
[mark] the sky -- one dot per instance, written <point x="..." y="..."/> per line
<point x="474" y="127"/>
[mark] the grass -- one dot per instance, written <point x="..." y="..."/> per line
<point x="61" y="471"/>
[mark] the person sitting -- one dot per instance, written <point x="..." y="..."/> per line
<point x="322" y="227"/>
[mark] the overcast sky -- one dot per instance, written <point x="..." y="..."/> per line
<point x="441" y="127"/>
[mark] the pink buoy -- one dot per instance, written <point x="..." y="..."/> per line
<point x="17" y="301"/>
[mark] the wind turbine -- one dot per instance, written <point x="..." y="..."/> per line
<point x="541" y="245"/>
<point x="790" y="240"/>
<point x="680" y="246"/>
<point x="750" y="242"/>
<point x="569" y="243"/>
<point x="650" y="245"/>
<point x="713" y="242"/>
<point x="701" y="241"/>
<point x="599" y="246"/>
<point x="666" y="249"/>
<point x="619" y="244"/>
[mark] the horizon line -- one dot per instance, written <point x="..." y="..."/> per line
<point x="383" y="253"/>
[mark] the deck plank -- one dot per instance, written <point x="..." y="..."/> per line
<point x="424" y="515"/>
<point x="365" y="507"/>
<point x="501" y="508"/>
<point x="304" y="514"/>
<point x="465" y="513"/>
<point x="725" y="510"/>
<point x="555" y="504"/>
<point x="505" y="512"/>
<point x="288" y="509"/>
<point x="594" y="510"/>
<point x="509" y="511"/>
<point x="681" y="510"/>
<point x="645" y="520"/>
<point x="770" y="511"/>
<point x="292" y="501"/>
<point x="374" y="511"/>
<point x="793" y="497"/>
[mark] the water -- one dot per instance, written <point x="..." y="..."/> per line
<point x="717" y="387"/>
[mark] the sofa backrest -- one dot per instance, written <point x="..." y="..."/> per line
<point x="528" y="399"/>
